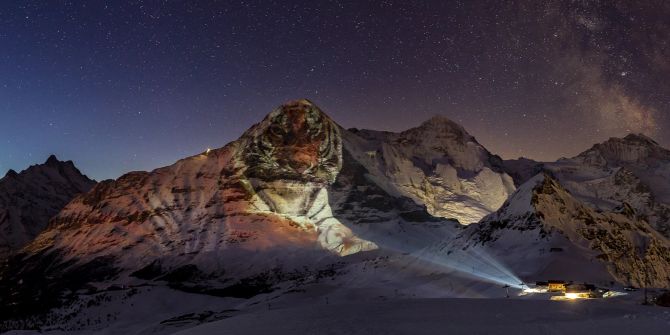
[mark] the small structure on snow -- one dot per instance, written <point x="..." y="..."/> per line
<point x="556" y="286"/>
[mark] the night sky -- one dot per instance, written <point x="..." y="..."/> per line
<point x="124" y="85"/>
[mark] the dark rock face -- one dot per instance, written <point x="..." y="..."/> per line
<point x="30" y="198"/>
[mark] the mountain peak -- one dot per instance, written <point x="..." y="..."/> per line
<point x="299" y="107"/>
<point x="633" y="148"/>
<point x="632" y="139"/>
<point x="52" y="161"/>
<point x="640" y="138"/>
<point x="437" y="118"/>
<point x="11" y="173"/>
<point x="441" y="122"/>
<point x="438" y="126"/>
<point x="298" y="102"/>
<point x="294" y="115"/>
<point x="296" y="141"/>
<point x="30" y="198"/>
<point x="548" y="185"/>
<point x="290" y="122"/>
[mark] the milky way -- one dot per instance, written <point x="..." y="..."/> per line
<point x="120" y="86"/>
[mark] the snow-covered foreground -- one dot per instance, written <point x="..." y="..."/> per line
<point x="450" y="316"/>
<point x="324" y="309"/>
<point x="386" y="294"/>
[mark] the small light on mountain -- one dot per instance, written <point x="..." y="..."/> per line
<point x="207" y="151"/>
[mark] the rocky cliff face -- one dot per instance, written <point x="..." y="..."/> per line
<point x="30" y="198"/>
<point x="437" y="164"/>
<point x="542" y="231"/>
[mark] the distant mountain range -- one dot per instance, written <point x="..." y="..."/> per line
<point x="634" y="170"/>
<point x="297" y="196"/>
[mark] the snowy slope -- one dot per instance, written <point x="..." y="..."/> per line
<point x="350" y="304"/>
<point x="587" y="245"/>
<point x="448" y="316"/>
<point x="30" y="198"/>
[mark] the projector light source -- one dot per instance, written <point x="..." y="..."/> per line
<point x="572" y="295"/>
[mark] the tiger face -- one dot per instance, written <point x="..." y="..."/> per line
<point x="288" y="160"/>
<point x="295" y="142"/>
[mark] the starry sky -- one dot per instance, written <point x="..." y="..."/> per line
<point x="118" y="86"/>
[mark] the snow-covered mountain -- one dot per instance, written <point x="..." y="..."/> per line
<point x="299" y="210"/>
<point x="437" y="164"/>
<point x="634" y="170"/>
<point x="279" y="186"/>
<point x="543" y="232"/>
<point x="30" y="198"/>
<point x="293" y="193"/>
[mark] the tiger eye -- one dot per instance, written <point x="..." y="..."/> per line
<point x="276" y="130"/>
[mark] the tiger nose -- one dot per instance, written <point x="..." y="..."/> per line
<point x="296" y="136"/>
<point x="302" y="161"/>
